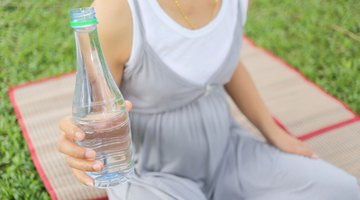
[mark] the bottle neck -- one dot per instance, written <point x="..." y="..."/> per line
<point x="92" y="68"/>
<point x="88" y="50"/>
<point x="96" y="93"/>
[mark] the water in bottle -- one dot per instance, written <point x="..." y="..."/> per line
<point x="98" y="106"/>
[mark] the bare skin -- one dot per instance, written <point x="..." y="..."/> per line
<point x="115" y="32"/>
<point x="242" y="90"/>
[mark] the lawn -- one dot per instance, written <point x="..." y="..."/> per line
<point x="320" y="38"/>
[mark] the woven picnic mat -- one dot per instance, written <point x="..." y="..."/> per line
<point x="299" y="106"/>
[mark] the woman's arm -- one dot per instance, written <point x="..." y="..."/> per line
<point x="115" y="33"/>
<point x="242" y="90"/>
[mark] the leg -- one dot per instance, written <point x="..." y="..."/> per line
<point x="303" y="178"/>
<point x="266" y="173"/>
<point x="157" y="186"/>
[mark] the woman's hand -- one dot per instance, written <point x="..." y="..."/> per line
<point x="287" y="143"/>
<point x="79" y="159"/>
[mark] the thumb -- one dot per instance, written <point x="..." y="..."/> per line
<point x="128" y="105"/>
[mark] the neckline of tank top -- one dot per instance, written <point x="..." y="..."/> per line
<point x="186" y="31"/>
<point x="184" y="81"/>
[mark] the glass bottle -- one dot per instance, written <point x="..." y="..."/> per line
<point x="98" y="106"/>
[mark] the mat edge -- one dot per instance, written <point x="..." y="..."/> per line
<point x="33" y="154"/>
<point x="286" y="65"/>
<point x="292" y="68"/>
<point x="328" y="129"/>
<point x="30" y="146"/>
<point x="34" y="82"/>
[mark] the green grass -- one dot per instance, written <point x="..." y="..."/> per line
<point x="313" y="36"/>
<point x="36" y="42"/>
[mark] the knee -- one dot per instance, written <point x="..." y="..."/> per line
<point x="352" y="187"/>
<point x="339" y="187"/>
<point x="348" y="186"/>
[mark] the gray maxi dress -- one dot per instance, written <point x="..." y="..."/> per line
<point x="187" y="145"/>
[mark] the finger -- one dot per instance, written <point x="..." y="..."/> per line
<point x="315" y="156"/>
<point x="84" y="165"/>
<point x="71" y="149"/>
<point x="128" y="105"/>
<point x="72" y="132"/>
<point x="83" y="177"/>
<point x="302" y="150"/>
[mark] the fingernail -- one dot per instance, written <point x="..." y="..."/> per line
<point x="315" y="156"/>
<point x="97" y="166"/>
<point x="90" y="183"/>
<point x="89" y="154"/>
<point x="79" y="136"/>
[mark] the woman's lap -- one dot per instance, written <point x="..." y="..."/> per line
<point x="252" y="170"/>
<point x="264" y="172"/>
<point x="157" y="186"/>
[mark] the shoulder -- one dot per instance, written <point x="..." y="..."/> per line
<point x="115" y="26"/>
<point x="112" y="14"/>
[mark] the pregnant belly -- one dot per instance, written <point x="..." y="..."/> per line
<point x="185" y="140"/>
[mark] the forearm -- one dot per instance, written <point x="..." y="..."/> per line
<point x="242" y="90"/>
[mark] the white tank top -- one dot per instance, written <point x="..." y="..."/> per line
<point x="193" y="54"/>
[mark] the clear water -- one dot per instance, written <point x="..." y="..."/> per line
<point x="109" y="136"/>
<point x="99" y="107"/>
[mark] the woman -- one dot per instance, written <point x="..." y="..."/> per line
<point x="175" y="62"/>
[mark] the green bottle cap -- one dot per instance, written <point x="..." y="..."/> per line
<point x="82" y="17"/>
<point x="83" y="23"/>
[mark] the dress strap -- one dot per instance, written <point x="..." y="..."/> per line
<point x="140" y="18"/>
<point x="239" y="17"/>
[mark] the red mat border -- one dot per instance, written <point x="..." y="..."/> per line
<point x="29" y="143"/>
<point x="306" y="136"/>
<point x="40" y="81"/>
<point x="44" y="178"/>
